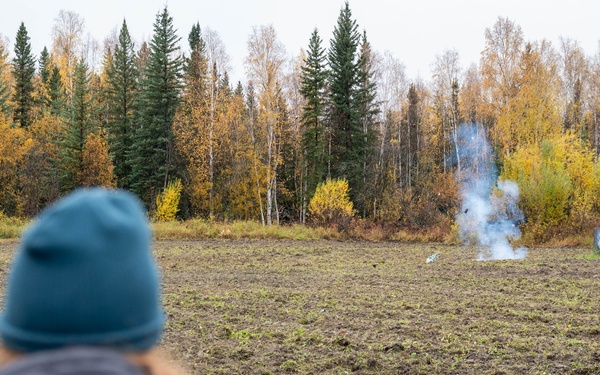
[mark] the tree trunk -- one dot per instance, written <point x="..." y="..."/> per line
<point x="211" y="156"/>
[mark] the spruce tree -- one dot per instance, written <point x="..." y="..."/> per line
<point x="195" y="38"/>
<point x="413" y="130"/>
<point x="152" y="148"/>
<point x="51" y="93"/>
<point x="43" y="92"/>
<point x="191" y="121"/>
<point x="79" y="122"/>
<point x="56" y="93"/>
<point x="23" y="71"/>
<point x="224" y="86"/>
<point x="347" y="142"/>
<point x="239" y="90"/>
<point x="368" y="111"/>
<point x="367" y="91"/>
<point x="196" y="67"/>
<point x="314" y="137"/>
<point x="122" y="87"/>
<point x="45" y="66"/>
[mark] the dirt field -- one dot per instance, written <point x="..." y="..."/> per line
<point x="319" y="307"/>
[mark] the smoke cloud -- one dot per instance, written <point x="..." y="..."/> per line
<point x="489" y="216"/>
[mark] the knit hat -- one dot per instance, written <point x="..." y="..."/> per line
<point x="84" y="275"/>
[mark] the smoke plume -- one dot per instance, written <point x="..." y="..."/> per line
<point x="489" y="216"/>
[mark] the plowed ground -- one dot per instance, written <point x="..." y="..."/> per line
<point x="322" y="307"/>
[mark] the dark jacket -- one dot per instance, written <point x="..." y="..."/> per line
<point x="73" y="361"/>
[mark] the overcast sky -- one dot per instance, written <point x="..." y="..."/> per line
<point x="414" y="31"/>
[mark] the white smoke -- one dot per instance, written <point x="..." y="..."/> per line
<point x="490" y="215"/>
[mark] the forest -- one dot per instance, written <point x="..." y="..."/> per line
<point x="164" y="114"/>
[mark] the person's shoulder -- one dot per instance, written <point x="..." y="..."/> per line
<point x="73" y="360"/>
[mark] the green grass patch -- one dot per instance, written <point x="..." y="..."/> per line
<point x="591" y="256"/>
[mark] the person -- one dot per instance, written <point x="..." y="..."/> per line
<point x="83" y="293"/>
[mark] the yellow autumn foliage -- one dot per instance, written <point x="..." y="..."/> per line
<point x="559" y="182"/>
<point x="97" y="166"/>
<point x="167" y="202"/>
<point x="331" y="204"/>
<point x="14" y="145"/>
<point x="531" y="115"/>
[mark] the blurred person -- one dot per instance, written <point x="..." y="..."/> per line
<point x="83" y="294"/>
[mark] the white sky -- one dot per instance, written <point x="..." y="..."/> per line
<point x="414" y="31"/>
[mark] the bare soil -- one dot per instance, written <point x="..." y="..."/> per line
<point x="326" y="307"/>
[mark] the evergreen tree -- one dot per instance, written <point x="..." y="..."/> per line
<point x="224" y="86"/>
<point x="51" y="94"/>
<point x="23" y="71"/>
<point x="368" y="111"/>
<point x="314" y="137"/>
<point x="79" y="122"/>
<point x="251" y="102"/>
<point x="196" y="69"/>
<point x="122" y="86"/>
<point x="413" y="130"/>
<point x="239" y="90"/>
<point x="45" y="66"/>
<point x="347" y="155"/>
<point x="191" y="126"/>
<point x="195" y="38"/>
<point x="56" y="92"/>
<point x="288" y="206"/>
<point x="43" y="92"/>
<point x="251" y="120"/>
<point x="151" y="155"/>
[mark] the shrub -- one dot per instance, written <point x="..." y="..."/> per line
<point x="167" y="202"/>
<point x="331" y="205"/>
<point x="432" y="203"/>
<point x="559" y="184"/>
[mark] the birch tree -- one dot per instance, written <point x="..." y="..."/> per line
<point x="499" y="66"/>
<point x="393" y="88"/>
<point x="5" y="79"/>
<point x="266" y="56"/>
<point x="446" y="81"/>
<point x="314" y="131"/>
<point x="67" y="41"/>
<point x="574" y="78"/>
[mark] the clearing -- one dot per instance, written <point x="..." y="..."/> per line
<point x="326" y="307"/>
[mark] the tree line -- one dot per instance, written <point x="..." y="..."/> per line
<point x="142" y="116"/>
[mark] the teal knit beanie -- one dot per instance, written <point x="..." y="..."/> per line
<point x="84" y="275"/>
